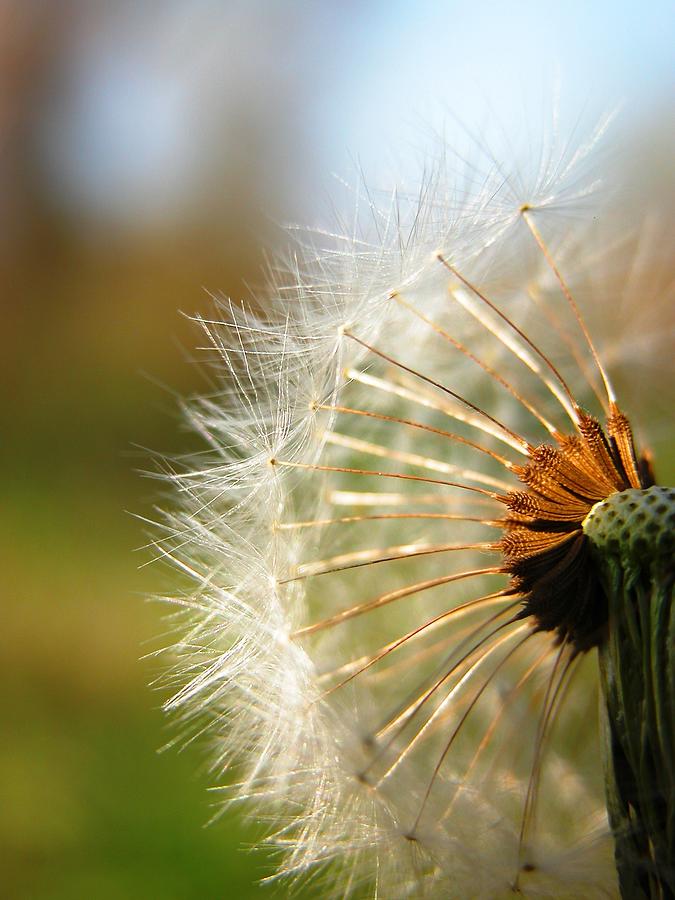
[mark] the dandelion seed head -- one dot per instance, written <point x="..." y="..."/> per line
<point x="390" y="613"/>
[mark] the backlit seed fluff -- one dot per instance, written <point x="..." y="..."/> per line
<point x="388" y="627"/>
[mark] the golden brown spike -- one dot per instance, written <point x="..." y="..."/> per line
<point x="620" y="431"/>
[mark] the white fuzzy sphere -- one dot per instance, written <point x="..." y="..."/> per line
<point x="401" y="731"/>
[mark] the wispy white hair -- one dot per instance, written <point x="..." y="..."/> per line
<point x="341" y="637"/>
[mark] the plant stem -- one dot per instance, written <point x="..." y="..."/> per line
<point x="633" y="541"/>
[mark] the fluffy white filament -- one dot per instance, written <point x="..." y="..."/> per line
<point x="343" y="636"/>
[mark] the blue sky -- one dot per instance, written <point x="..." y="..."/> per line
<point x="362" y="80"/>
<point x="412" y="61"/>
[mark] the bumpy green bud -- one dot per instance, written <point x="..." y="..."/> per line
<point x="632" y="534"/>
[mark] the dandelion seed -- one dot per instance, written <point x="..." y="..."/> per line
<point x="399" y="556"/>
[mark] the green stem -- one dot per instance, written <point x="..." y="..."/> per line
<point x="632" y="537"/>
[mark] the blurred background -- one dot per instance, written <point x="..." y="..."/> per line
<point x="149" y="151"/>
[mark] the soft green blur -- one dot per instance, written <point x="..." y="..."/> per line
<point x="89" y="807"/>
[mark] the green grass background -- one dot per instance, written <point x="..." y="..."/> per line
<point x="89" y="808"/>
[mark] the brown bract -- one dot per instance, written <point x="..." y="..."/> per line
<point x="545" y="549"/>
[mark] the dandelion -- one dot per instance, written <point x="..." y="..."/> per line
<point x="413" y="572"/>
